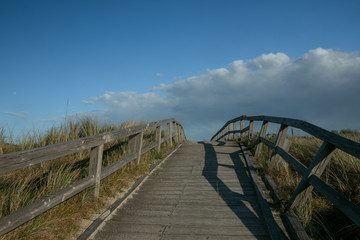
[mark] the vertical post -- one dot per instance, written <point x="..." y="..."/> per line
<point x="280" y="140"/>
<point x="251" y="129"/>
<point x="234" y="128"/>
<point x="135" y="145"/>
<point x="96" y="154"/>
<point x="158" y="138"/>
<point x="241" y="128"/>
<point x="169" y="133"/>
<point x="228" y="132"/>
<point x="317" y="167"/>
<point x="175" y="132"/>
<point x="262" y="134"/>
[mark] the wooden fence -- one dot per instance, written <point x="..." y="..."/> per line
<point x="14" y="161"/>
<point x="310" y="175"/>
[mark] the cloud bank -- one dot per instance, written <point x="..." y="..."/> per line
<point x="321" y="87"/>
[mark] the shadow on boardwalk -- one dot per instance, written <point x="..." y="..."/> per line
<point x="235" y="200"/>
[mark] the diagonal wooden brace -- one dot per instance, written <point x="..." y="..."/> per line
<point x="317" y="167"/>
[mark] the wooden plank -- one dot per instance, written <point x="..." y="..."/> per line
<point x="117" y="165"/>
<point x="96" y="156"/>
<point x="293" y="162"/>
<point x="271" y="225"/>
<point x="29" y="212"/>
<point x="148" y="148"/>
<point x="317" y="166"/>
<point x="351" y="210"/>
<point x="267" y="143"/>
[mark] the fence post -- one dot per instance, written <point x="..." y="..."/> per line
<point x="168" y="125"/>
<point x="234" y="128"/>
<point x="251" y="129"/>
<point x="317" y="167"/>
<point x="241" y="128"/>
<point x="158" y="138"/>
<point x="262" y="134"/>
<point x="176" y="136"/>
<point x="96" y="155"/>
<point x="135" y="145"/>
<point x="228" y="132"/>
<point x="281" y="142"/>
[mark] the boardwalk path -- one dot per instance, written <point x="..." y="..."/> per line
<point x="202" y="191"/>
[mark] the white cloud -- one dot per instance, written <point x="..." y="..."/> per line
<point x="89" y="102"/>
<point x="23" y="115"/>
<point x="322" y="87"/>
<point x="159" y="74"/>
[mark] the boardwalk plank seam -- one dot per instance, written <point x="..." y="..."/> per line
<point x="97" y="222"/>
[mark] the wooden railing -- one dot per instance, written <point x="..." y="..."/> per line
<point x="310" y="175"/>
<point x="18" y="160"/>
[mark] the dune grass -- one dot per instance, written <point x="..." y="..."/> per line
<point x="22" y="187"/>
<point x="319" y="217"/>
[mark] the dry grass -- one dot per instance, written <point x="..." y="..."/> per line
<point x="320" y="218"/>
<point x="22" y="187"/>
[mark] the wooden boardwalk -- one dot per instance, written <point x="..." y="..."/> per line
<point x="203" y="191"/>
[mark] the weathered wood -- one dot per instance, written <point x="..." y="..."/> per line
<point x="338" y="141"/>
<point x="267" y="143"/>
<point x="234" y="129"/>
<point x="317" y="166"/>
<point x="168" y="125"/>
<point x="228" y="130"/>
<point x="262" y="134"/>
<point x="202" y="208"/>
<point x="13" y="161"/>
<point x="135" y="144"/>
<point x="351" y="210"/>
<point x="96" y="156"/>
<point x="158" y="138"/>
<point x="176" y="135"/>
<point x="293" y="162"/>
<point x="251" y="130"/>
<point x="29" y="212"/>
<point x="280" y="140"/>
<point x="271" y="225"/>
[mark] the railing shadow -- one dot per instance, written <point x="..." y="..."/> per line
<point x="233" y="199"/>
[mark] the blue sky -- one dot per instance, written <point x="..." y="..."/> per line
<point x="149" y="60"/>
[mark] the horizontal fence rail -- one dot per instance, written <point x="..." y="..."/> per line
<point x="19" y="160"/>
<point x="310" y="175"/>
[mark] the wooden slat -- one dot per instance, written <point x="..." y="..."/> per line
<point x="148" y="148"/>
<point x="269" y="219"/>
<point x="117" y="165"/>
<point x="316" y="167"/>
<point x="267" y="143"/>
<point x="27" y="213"/>
<point x="351" y="210"/>
<point x="293" y="162"/>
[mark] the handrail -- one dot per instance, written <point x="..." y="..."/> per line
<point x="18" y="160"/>
<point x="310" y="175"/>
